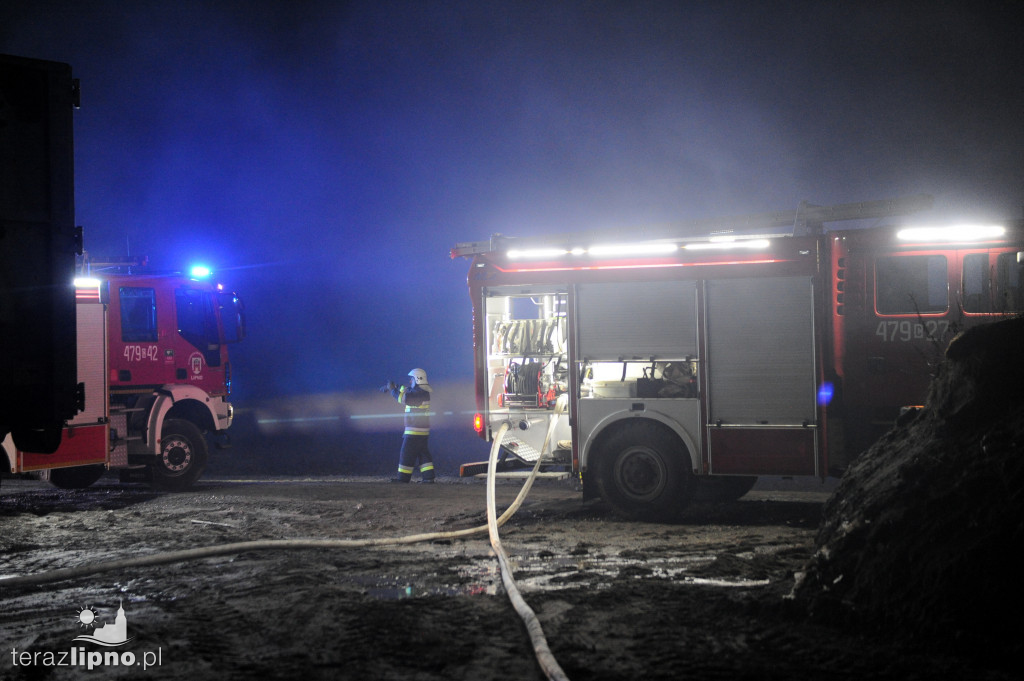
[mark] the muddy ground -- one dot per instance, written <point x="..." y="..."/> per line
<point x="702" y="599"/>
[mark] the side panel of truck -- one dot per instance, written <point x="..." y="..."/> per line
<point x="761" y="376"/>
<point x="623" y="329"/>
<point x="37" y="245"/>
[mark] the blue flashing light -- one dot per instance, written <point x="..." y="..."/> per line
<point x="201" y="271"/>
<point x="825" y="392"/>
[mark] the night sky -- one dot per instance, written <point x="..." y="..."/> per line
<point x="323" y="157"/>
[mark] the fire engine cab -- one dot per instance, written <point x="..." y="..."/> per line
<point x="661" y="363"/>
<point x="153" y="358"/>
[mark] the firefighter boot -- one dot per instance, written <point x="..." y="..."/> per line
<point x="427" y="471"/>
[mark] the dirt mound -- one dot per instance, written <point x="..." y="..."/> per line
<point x="920" y="539"/>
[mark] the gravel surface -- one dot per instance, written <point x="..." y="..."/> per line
<point x="702" y="599"/>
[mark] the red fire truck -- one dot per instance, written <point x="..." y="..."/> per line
<point x="660" y="363"/>
<point x="153" y="357"/>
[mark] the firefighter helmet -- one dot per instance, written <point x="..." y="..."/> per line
<point x="420" y="375"/>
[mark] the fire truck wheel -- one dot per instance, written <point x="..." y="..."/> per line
<point x="643" y="472"/>
<point x="78" y="477"/>
<point x="183" y="455"/>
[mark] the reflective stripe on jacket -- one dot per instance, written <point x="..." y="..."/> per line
<point x="417" y="409"/>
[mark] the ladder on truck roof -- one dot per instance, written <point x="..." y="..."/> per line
<point x="807" y="219"/>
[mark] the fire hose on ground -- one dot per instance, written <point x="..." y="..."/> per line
<point x="543" y="653"/>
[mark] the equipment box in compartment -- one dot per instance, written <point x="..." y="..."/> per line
<point x="614" y="388"/>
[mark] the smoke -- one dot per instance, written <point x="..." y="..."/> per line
<point x="452" y="405"/>
<point x="357" y="142"/>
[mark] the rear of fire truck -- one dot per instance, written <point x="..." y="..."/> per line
<point x="84" y="451"/>
<point x="653" y="367"/>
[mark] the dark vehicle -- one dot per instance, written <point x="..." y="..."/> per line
<point x="38" y="243"/>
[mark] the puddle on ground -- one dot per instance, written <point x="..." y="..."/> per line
<point x="481" y="576"/>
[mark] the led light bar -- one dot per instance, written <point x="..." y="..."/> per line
<point x="599" y="251"/>
<point x="952" y="233"/>
<point x="535" y="253"/>
<point x="727" y="244"/>
<point x="637" y="249"/>
<point x="633" y="249"/>
<point x="86" y="282"/>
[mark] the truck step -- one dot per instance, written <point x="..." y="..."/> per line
<point x="522" y="475"/>
<point x="510" y="469"/>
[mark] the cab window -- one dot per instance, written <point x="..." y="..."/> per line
<point x="977" y="296"/>
<point x="1010" y="283"/>
<point x="138" y="314"/>
<point x="197" y="322"/>
<point x="993" y="291"/>
<point x="911" y="284"/>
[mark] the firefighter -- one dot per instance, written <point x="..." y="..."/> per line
<point x="416" y="398"/>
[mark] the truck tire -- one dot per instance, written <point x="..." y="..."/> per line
<point x="643" y="472"/>
<point x="183" y="455"/>
<point x="76" y="477"/>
